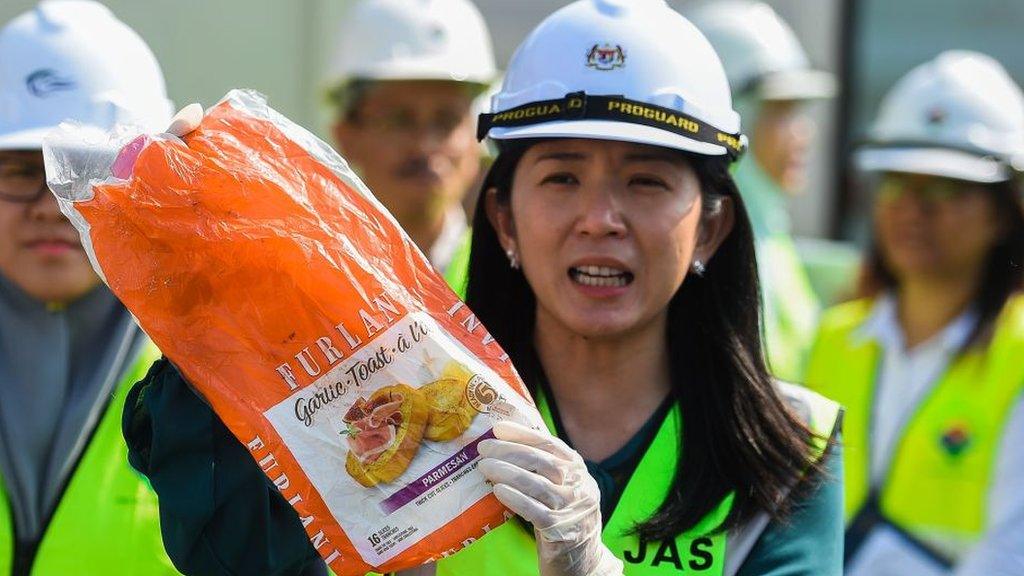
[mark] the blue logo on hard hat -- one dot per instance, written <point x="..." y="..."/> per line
<point x="45" y="82"/>
<point x="606" y="57"/>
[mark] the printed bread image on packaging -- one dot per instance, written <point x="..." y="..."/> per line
<point x="384" y="433"/>
<point x="450" y="410"/>
<point x="299" y="310"/>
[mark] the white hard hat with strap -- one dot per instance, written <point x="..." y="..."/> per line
<point x="629" y="70"/>
<point x="73" y="60"/>
<point x="958" y="116"/>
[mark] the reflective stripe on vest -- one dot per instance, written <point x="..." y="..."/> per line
<point x="948" y="448"/>
<point x="510" y="550"/>
<point x="107" y="521"/>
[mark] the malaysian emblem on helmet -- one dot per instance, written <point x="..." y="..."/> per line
<point x="606" y="57"/>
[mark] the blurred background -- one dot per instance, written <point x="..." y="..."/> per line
<point x="284" y="49"/>
<point x="926" y="361"/>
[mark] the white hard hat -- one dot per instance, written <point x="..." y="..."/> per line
<point x="73" y="60"/>
<point x="415" y="40"/>
<point x="958" y="116"/>
<point x="760" y="52"/>
<point x="630" y="70"/>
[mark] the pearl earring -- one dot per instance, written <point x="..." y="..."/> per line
<point x="513" y="262"/>
<point x="698" y="268"/>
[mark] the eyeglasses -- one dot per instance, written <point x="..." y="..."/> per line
<point x="931" y="191"/>
<point x="21" y="182"/>
<point x="405" y="124"/>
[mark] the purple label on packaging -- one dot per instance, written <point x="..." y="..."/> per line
<point x="434" y="477"/>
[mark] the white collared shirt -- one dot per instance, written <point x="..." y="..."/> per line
<point x="905" y="379"/>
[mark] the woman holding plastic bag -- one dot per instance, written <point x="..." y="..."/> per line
<point x="613" y="261"/>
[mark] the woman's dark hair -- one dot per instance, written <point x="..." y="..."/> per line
<point x="1002" y="276"/>
<point x="740" y="437"/>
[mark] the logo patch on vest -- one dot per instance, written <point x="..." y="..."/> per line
<point x="606" y="57"/>
<point x="956" y="439"/>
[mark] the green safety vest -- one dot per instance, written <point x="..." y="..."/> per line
<point x="457" y="272"/>
<point x="790" y="307"/>
<point x="107" y="521"/>
<point x="937" y="485"/>
<point x="510" y="549"/>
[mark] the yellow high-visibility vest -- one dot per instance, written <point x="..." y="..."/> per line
<point x="937" y="486"/>
<point x="107" y="521"/>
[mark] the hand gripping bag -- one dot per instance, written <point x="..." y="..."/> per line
<point x="290" y="298"/>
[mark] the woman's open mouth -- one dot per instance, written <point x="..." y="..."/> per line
<point x="600" y="276"/>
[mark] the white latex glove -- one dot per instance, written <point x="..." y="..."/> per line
<point x="186" y="120"/>
<point x="539" y="477"/>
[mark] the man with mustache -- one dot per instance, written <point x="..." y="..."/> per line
<point x="69" y="351"/>
<point x="406" y="74"/>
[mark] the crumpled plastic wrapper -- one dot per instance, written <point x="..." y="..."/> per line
<point x="297" y="307"/>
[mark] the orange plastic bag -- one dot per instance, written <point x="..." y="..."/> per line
<point x="270" y="276"/>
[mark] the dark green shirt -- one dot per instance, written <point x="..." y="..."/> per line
<point x="221" y="515"/>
